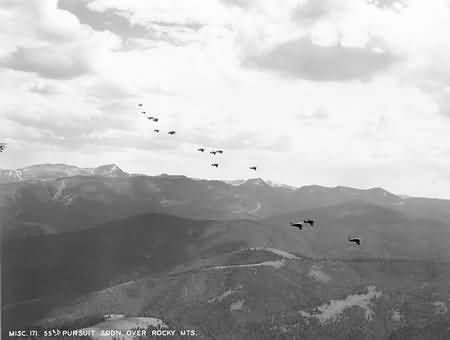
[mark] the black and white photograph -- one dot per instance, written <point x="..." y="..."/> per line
<point x="225" y="169"/>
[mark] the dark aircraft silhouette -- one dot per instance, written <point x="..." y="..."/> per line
<point x="355" y="239"/>
<point x="215" y="164"/>
<point x="151" y="118"/>
<point x="143" y="112"/>
<point x="201" y="150"/>
<point x="139" y="104"/>
<point x="253" y="168"/>
<point x="310" y="222"/>
<point x="171" y="133"/>
<point x="213" y="152"/>
<point x="296" y="225"/>
<point x="219" y="151"/>
<point x="156" y="130"/>
<point x="2" y="147"/>
<point x="155" y="119"/>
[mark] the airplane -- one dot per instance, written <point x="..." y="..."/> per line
<point x="155" y="119"/>
<point x="215" y="164"/>
<point x="213" y="152"/>
<point x="156" y="130"/>
<point x="201" y="149"/>
<point x="310" y="222"/>
<point x="139" y="104"/>
<point x="296" y="225"/>
<point x="171" y="132"/>
<point x="219" y="151"/>
<point x="253" y="168"/>
<point x="355" y="239"/>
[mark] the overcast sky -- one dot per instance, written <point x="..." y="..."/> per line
<point x="330" y="92"/>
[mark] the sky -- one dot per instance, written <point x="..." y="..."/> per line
<point x="330" y="92"/>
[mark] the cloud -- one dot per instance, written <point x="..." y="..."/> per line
<point x="173" y="23"/>
<point x="302" y="59"/>
<point x="390" y="4"/>
<point x="49" y="62"/>
<point x="108" y="91"/>
<point x="319" y="114"/>
<point x="50" y="42"/>
<point x="72" y="76"/>
<point x="108" y="19"/>
<point x="312" y="10"/>
<point x="42" y="87"/>
<point x="244" y="4"/>
<point x="443" y="102"/>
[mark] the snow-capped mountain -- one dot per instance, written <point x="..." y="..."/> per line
<point x="53" y="171"/>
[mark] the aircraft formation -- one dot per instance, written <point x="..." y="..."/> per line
<point x="299" y="225"/>
<point x="172" y="132"/>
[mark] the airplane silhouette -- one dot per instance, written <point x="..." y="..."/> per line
<point x="355" y="239"/>
<point x="310" y="222"/>
<point x="296" y="225"/>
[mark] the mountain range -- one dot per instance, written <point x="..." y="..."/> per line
<point x="59" y="198"/>
<point x="220" y="257"/>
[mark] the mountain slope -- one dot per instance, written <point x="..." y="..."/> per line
<point x="266" y="294"/>
<point x="385" y="232"/>
<point x="46" y="205"/>
<point x="125" y="250"/>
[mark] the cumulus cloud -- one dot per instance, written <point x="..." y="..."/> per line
<point x="48" y="62"/>
<point x="303" y="59"/>
<point x="321" y="84"/>
<point x="50" y="42"/>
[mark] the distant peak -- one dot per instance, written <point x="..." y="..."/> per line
<point x="255" y="181"/>
<point x="108" y="166"/>
<point x="279" y="185"/>
<point x="109" y="170"/>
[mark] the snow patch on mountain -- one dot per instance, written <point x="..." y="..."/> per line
<point x="171" y="203"/>
<point x="396" y="316"/>
<point x="59" y="190"/>
<point x="332" y="310"/>
<point x="237" y="305"/>
<point x="278" y="252"/>
<point x="256" y="209"/>
<point x="280" y="185"/>
<point x="221" y="297"/>
<point x="54" y="171"/>
<point x="318" y="275"/>
<point x="275" y="264"/>
<point x="440" y="307"/>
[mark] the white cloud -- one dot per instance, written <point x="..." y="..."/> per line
<point x="72" y="89"/>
